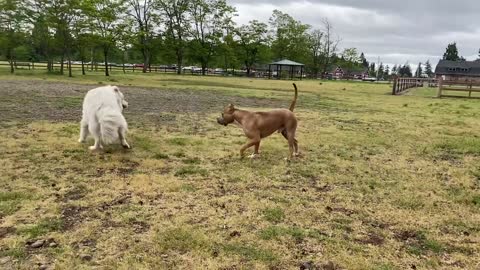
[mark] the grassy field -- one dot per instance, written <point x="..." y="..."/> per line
<point x="384" y="182"/>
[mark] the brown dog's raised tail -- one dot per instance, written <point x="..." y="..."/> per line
<point x="292" y="106"/>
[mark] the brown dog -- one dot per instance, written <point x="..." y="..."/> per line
<point x="258" y="125"/>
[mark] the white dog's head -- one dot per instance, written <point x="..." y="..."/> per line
<point x="120" y="98"/>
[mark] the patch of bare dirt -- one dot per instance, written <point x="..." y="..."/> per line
<point x="140" y="226"/>
<point x="372" y="239"/>
<point x="57" y="101"/>
<point x="122" y="199"/>
<point x="343" y="210"/>
<point x="4" y="231"/>
<point x="71" y="216"/>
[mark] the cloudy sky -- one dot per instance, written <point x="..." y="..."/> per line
<point x="397" y="31"/>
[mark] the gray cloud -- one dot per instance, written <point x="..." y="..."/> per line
<point x="396" y="31"/>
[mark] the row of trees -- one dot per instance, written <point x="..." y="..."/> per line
<point x="198" y="32"/>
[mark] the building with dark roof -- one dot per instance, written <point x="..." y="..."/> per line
<point x="458" y="70"/>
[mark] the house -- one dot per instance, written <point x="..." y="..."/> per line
<point x="458" y="70"/>
<point x="359" y="75"/>
<point x="338" y="73"/>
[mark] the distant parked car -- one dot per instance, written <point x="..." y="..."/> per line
<point x="218" y="71"/>
<point x="192" y="69"/>
<point x="369" y="79"/>
<point x="138" y="65"/>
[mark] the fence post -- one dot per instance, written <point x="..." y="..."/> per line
<point x="394" y="90"/>
<point x="440" y="86"/>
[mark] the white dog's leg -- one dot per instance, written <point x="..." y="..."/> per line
<point x="121" y="134"/>
<point x="83" y="131"/>
<point x="94" y="129"/>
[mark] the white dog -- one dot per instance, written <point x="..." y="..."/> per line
<point x="102" y="117"/>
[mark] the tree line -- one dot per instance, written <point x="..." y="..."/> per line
<point x="153" y="32"/>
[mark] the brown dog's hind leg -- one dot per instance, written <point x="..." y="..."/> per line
<point x="257" y="146"/>
<point x="295" y="142"/>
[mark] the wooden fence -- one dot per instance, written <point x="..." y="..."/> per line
<point x="100" y="67"/>
<point x="402" y="85"/>
<point x="467" y="85"/>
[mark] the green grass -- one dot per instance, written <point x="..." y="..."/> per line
<point x="10" y="202"/>
<point x="182" y="240"/>
<point x="384" y="182"/>
<point x="273" y="214"/>
<point x="43" y="227"/>
<point x="250" y="252"/>
<point x="191" y="170"/>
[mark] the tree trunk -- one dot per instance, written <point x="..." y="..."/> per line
<point x="12" y="67"/>
<point x="123" y="61"/>
<point x="83" y="65"/>
<point x="69" y="64"/>
<point x="204" y="69"/>
<point x="92" y="58"/>
<point x="50" y="65"/>
<point x="146" y="62"/>
<point x="61" y="63"/>
<point x="179" y="61"/>
<point x="105" y="54"/>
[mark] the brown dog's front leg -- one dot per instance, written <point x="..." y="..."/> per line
<point x="248" y="145"/>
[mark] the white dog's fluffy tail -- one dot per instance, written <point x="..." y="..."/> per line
<point x="110" y="125"/>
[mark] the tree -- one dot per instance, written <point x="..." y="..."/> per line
<point x="177" y="27"/>
<point x="380" y="71"/>
<point x="351" y="58"/>
<point x="428" y="69"/>
<point x="252" y="40"/>
<point x="351" y="55"/>
<point x="405" y="71"/>
<point x="387" y="72"/>
<point x="316" y="50"/>
<point x="106" y="23"/>
<point x="66" y="16"/>
<point x="291" y="37"/>
<point x="143" y="14"/>
<point x="210" y="18"/>
<point x="230" y="51"/>
<point x="372" y="70"/>
<point x="364" y="61"/>
<point x="330" y="44"/>
<point x="395" y="70"/>
<point x="11" y="19"/>
<point x="451" y="52"/>
<point x="419" y="71"/>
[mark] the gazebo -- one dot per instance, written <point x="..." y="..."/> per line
<point x="292" y="67"/>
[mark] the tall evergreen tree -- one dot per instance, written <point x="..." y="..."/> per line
<point x="395" y="70"/>
<point x="428" y="69"/>
<point x="451" y="52"/>
<point x="364" y="61"/>
<point x="380" y="71"/>
<point x="419" y="71"/>
<point x="372" y="70"/>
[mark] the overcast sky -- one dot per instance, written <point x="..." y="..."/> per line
<point x="397" y="31"/>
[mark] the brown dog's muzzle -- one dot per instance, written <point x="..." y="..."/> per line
<point x="221" y="121"/>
